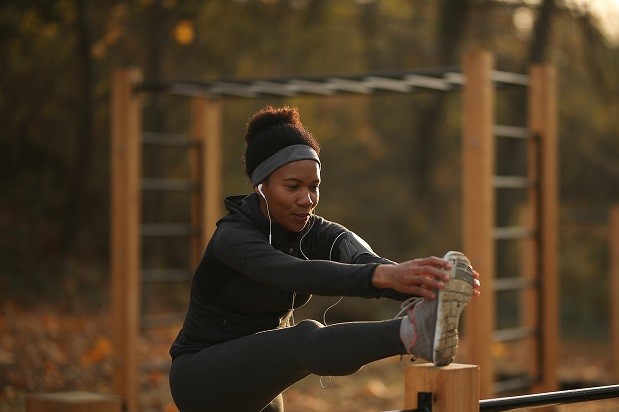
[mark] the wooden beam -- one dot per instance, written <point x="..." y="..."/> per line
<point x="613" y="240"/>
<point x="543" y="124"/>
<point x="478" y="204"/>
<point x="454" y="388"/>
<point x="125" y="232"/>
<point x="206" y="167"/>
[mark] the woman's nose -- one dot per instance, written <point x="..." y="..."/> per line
<point x="306" y="199"/>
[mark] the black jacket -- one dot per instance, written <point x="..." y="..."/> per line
<point x="244" y="285"/>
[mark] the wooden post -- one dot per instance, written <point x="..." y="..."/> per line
<point x="73" y="402"/>
<point x="543" y="126"/>
<point x="531" y="249"/>
<point x="455" y="388"/>
<point x="478" y="204"/>
<point x="125" y="232"/>
<point x="207" y="201"/>
<point x="614" y="282"/>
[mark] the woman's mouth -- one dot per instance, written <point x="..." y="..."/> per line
<point x="301" y="217"/>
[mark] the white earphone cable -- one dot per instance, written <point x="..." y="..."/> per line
<point x="268" y="212"/>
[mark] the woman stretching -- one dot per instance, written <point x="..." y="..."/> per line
<point x="237" y="349"/>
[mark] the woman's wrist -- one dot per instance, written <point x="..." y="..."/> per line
<point x="380" y="277"/>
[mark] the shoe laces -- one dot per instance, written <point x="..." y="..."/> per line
<point x="407" y="305"/>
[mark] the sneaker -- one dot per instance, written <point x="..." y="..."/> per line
<point x="430" y="328"/>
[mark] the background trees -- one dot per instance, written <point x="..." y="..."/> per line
<point x="391" y="162"/>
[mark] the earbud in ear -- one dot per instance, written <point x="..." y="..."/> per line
<point x="260" y="190"/>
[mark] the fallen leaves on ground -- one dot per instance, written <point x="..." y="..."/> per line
<point x="43" y="351"/>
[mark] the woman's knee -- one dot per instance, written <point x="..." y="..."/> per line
<point x="309" y="325"/>
<point x="307" y="332"/>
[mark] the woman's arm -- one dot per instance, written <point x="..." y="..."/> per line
<point x="247" y="251"/>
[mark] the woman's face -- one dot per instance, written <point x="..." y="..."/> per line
<point x="292" y="194"/>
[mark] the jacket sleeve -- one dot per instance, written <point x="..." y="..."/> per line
<point x="247" y="250"/>
<point x="347" y="247"/>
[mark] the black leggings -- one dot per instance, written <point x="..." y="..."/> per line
<point x="250" y="373"/>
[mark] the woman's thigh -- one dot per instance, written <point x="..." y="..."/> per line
<point x="244" y="374"/>
<point x="249" y="372"/>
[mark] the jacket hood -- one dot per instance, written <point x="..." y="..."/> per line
<point x="246" y="209"/>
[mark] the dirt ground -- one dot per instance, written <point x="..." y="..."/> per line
<point x="42" y="351"/>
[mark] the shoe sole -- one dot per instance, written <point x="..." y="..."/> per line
<point x="451" y="302"/>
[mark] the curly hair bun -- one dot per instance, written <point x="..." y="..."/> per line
<point x="272" y="129"/>
<point x="270" y="116"/>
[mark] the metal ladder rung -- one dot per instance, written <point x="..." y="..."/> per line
<point x="166" y="275"/>
<point x="512" y="182"/>
<point x="512" y="334"/>
<point x="514" y="132"/>
<point x="514" y="283"/>
<point x="512" y="232"/>
<point x="166" y="229"/>
<point x="518" y="79"/>
<point x="171" y="185"/>
<point x="167" y="139"/>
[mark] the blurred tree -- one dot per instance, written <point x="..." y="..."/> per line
<point x="44" y="159"/>
<point x="543" y="28"/>
<point x="395" y="157"/>
<point x="80" y="171"/>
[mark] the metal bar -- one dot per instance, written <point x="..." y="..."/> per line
<point x="167" y="139"/>
<point x="424" y="401"/>
<point x="511" y="284"/>
<point x="347" y="85"/>
<point x="512" y="232"/>
<point x="428" y="82"/>
<point x="403" y="82"/>
<point x="305" y="86"/>
<point x="549" y="398"/>
<point x="166" y="275"/>
<point x="171" y="185"/>
<point x="512" y="334"/>
<point x="278" y="89"/>
<point x="166" y="229"/>
<point x="510" y="78"/>
<point x="403" y="410"/>
<point x="184" y="89"/>
<point x="455" y="78"/>
<point x="511" y="182"/>
<point x="388" y="84"/>
<point x="438" y="79"/>
<point x="514" y="132"/>
<point x="231" y="89"/>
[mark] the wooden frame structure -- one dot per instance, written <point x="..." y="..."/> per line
<point x="613" y="253"/>
<point x="478" y="82"/>
<point x="538" y="282"/>
<point x="126" y="232"/>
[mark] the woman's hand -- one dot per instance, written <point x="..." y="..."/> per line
<point x="418" y="277"/>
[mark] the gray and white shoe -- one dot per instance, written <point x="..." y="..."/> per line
<point x="430" y="328"/>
